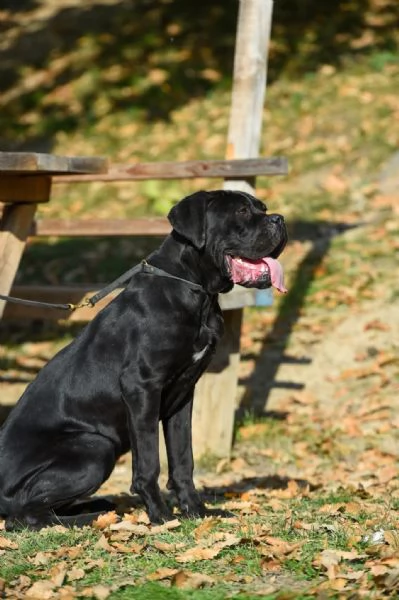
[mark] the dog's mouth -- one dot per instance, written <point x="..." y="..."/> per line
<point x="263" y="272"/>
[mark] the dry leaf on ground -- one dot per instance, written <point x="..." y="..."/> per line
<point x="192" y="581"/>
<point x="6" y="544"/>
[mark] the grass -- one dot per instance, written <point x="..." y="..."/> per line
<point x="39" y="556"/>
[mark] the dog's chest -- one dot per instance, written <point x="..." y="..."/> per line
<point x="200" y="354"/>
<point x="211" y="330"/>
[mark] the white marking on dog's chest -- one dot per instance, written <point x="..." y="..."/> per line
<point x="198" y="355"/>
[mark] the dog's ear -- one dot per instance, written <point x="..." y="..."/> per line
<point x="188" y="217"/>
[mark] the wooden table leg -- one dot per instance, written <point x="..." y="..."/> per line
<point x="15" y="226"/>
<point x="21" y="194"/>
<point x="216" y="394"/>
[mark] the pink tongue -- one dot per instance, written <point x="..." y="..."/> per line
<point x="245" y="270"/>
<point x="276" y="274"/>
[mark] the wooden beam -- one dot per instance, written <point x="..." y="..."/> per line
<point x="186" y="170"/>
<point x="37" y="162"/>
<point x="100" y="227"/>
<point x="21" y="188"/>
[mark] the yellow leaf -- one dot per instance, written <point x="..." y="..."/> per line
<point x="74" y="574"/>
<point x="165" y="547"/>
<point x="162" y="573"/>
<point x="103" y="544"/>
<point x="57" y="574"/>
<point x="205" y="527"/>
<point x="105" y="520"/>
<point x="165" y="527"/>
<point x="197" y="553"/>
<point x="192" y="581"/>
<point x="40" y="590"/>
<point x="101" y="592"/>
<point x="6" y="544"/>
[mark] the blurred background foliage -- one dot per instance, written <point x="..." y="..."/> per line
<point x="65" y="65"/>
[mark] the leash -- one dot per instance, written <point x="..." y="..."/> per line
<point x="143" y="267"/>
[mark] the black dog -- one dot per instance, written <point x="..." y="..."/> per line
<point x="135" y="364"/>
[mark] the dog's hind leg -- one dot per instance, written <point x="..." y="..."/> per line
<point x="78" y="467"/>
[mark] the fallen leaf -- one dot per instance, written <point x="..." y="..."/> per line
<point x="197" y="553"/>
<point x="272" y="546"/>
<point x="103" y="544"/>
<point x="376" y="324"/>
<point x="92" y="564"/>
<point x="101" y="592"/>
<point x="41" y="558"/>
<point x="156" y="529"/>
<point x="105" y="520"/>
<point x="75" y="573"/>
<point x="6" y="544"/>
<point x="330" y="561"/>
<point x="131" y="549"/>
<point x="205" y="527"/>
<point x="192" y="581"/>
<point x="162" y="573"/>
<point x="40" y="590"/>
<point x="165" y="547"/>
<point x="127" y="525"/>
<point x="57" y="574"/>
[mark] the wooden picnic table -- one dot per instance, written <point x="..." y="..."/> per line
<point x="25" y="181"/>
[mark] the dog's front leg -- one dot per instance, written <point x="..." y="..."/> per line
<point x="142" y="404"/>
<point x="178" y="440"/>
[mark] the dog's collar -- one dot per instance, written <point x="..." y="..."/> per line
<point x="150" y="269"/>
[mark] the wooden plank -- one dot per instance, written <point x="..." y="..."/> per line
<point x="37" y="162"/>
<point x="186" y="170"/>
<point x="14" y="228"/>
<point x="20" y="188"/>
<point x="237" y="298"/>
<point x="101" y="227"/>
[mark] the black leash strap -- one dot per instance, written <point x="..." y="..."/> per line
<point x="92" y="301"/>
<point x="34" y="303"/>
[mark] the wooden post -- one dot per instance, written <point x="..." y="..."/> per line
<point x="215" y="396"/>
<point x="21" y="195"/>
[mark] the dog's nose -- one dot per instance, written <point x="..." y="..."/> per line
<point x="277" y="219"/>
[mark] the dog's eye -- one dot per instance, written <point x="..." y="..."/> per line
<point x="244" y="211"/>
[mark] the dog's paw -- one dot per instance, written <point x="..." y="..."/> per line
<point x="193" y="510"/>
<point x="159" y="516"/>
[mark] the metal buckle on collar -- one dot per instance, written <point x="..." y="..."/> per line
<point x="147" y="267"/>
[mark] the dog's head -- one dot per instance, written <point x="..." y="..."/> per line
<point x="233" y="230"/>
